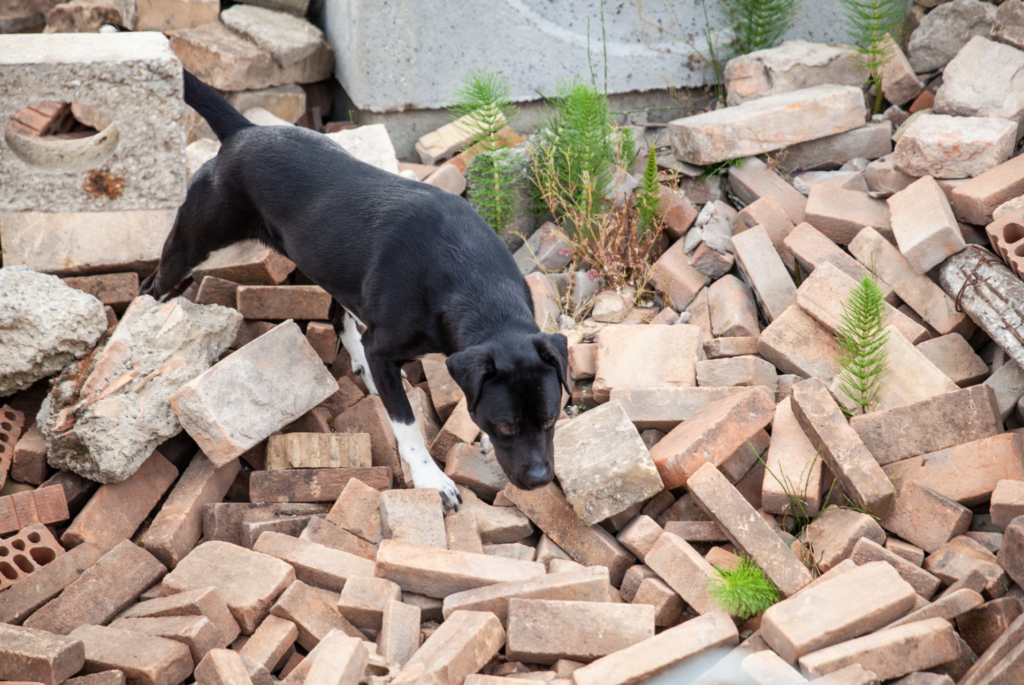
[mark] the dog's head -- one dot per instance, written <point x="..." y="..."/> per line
<point x="513" y="392"/>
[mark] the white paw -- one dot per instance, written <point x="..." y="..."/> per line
<point x="433" y="477"/>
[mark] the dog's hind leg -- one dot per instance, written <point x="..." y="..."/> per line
<point x="412" y="447"/>
<point x="353" y="342"/>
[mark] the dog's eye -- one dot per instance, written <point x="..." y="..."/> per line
<point x="506" y="428"/>
<point x="549" y="424"/>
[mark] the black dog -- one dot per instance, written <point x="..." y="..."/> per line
<point x="414" y="263"/>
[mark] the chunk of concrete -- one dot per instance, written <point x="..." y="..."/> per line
<point x="944" y="146"/>
<point x="46" y="325"/>
<point x="370" y="144"/>
<point x="105" y="419"/>
<point x="794" y="65"/>
<point x="945" y="30"/>
<point x="974" y="83"/>
<point x="288" y="38"/>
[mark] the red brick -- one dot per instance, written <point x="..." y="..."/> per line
<point x="29" y="463"/>
<point x="276" y="302"/>
<point x="974" y="201"/>
<point x="676" y="212"/>
<point x="732" y="309"/>
<point x="324" y="340"/>
<point x="102" y="591"/>
<point x="21" y="599"/>
<point x="144" y="659"/>
<point x="312" y="485"/>
<point x="213" y="290"/>
<point x="369" y="416"/>
<point x="11" y="422"/>
<point x="37" y="656"/>
<point x="116" y="290"/>
<point x="314" y="613"/>
<point x="459" y="428"/>
<point x="247" y="262"/>
<point x="117" y="509"/>
<point x="982" y="626"/>
<point x="20" y="510"/>
<point x="673" y="276"/>
<point x="179" y="523"/>
<point x="29" y="550"/>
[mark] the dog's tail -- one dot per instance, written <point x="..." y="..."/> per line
<point x="224" y="119"/>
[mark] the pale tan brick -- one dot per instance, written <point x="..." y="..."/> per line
<point x="684" y="570"/>
<point x="673" y="276"/>
<point x="248" y="581"/>
<point x="947" y="606"/>
<point x="363" y="599"/>
<point x="144" y="659"/>
<point x="1007" y="502"/>
<point x="834" y="611"/>
<point x="732" y="309"/>
<point x="764" y="269"/>
<point x="925" y="518"/>
<point x="414" y="516"/>
<point x="582" y="585"/>
<point x="327" y="534"/>
<point x="639" y="535"/>
<point x="671" y="353"/>
<point x="317" y="450"/>
<point x="589" y="545"/>
<point x="665" y="408"/>
<point x="511" y="550"/>
<point x="797" y="344"/>
<point x="440" y="572"/>
<point x="831" y="537"/>
<point x="649" y="658"/>
<point x="222" y="667"/>
<point x="668" y="606"/>
<point x="204" y="602"/>
<point x="890" y="653"/>
<point x="811" y="249"/>
<point x="459" y="428"/>
<point x="315" y="564"/>
<point x="911" y="553"/>
<point x="793" y="467"/>
<point x="767" y="668"/>
<point x="543" y="631"/>
<point x="469" y="465"/>
<point x="497" y="524"/>
<point x="840" y="214"/>
<point x="769" y="213"/>
<point x="721" y="348"/>
<point x="270" y="642"/>
<point x="924" y="225"/>
<point x="400" y="632"/>
<point x="357" y="510"/>
<point x="460" y="647"/>
<point x="842" y="450"/>
<point x="955" y="357"/>
<point x="867" y="551"/>
<point x="754" y="180"/>
<point x="340" y="660"/>
<point x="737" y="371"/>
<point x="179" y="523"/>
<point x="195" y="632"/>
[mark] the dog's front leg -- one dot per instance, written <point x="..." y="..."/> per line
<point x="411" y="446"/>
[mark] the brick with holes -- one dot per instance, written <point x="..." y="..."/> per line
<point x="11" y="422"/>
<point x="27" y="551"/>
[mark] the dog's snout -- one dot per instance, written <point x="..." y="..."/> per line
<point x="537" y="475"/>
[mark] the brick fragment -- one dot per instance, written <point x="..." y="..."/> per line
<point x="797" y="344"/>
<point x="754" y="180"/>
<point x="659" y="654"/>
<point x="923" y="223"/>
<point x="317" y="451"/>
<point x="793" y="466"/>
<point x="340" y="660"/>
<point x="974" y="200"/>
<point x="357" y="511"/>
<point x="583" y="585"/>
<point x="639" y="535"/>
<point x="842" y="450"/>
<point x="223" y="521"/>
<point x="832" y="536"/>
<point x="747" y="530"/>
<point x="459" y="428"/>
<point x="101" y="678"/>
<point x="1007" y="502"/>
<point x="23" y="509"/>
<point x="676" y="211"/>
<point x="766" y="666"/>
<point x="947" y="606"/>
<point x="765" y="270"/>
<point x="1003" y="661"/>
<point x="822" y="294"/>
<point x="965" y="473"/>
<point x="732" y="308"/>
<point x="721" y="348"/>
<point x="497" y="525"/>
<point x="543" y="631"/>
<point x="248" y="581"/>
<point x="213" y="290"/>
<point x="291" y="526"/>
<point x="144" y="659"/>
<point x="26" y="552"/>
<point x="834" y="611"/>
<point x="439" y="572"/>
<point x="37" y="656"/>
<point x="414" y="516"/>
<point x="737" y="371"/>
<point x="597" y="449"/>
<point x="195" y="632"/>
<point x="460" y="647"/>
<point x="925" y="518"/>
<point x="400" y="632"/>
<point x="672" y="352"/>
<point x="314" y="612"/>
<point x="981" y="627"/>
<point x="179" y="523"/>
<point x="28" y="463"/>
<point x="668" y="606"/>
<point x="21" y="599"/>
<point x="469" y="465"/>
<point x="101" y="592"/>
<point x="324" y="339"/>
<point x="363" y="600"/>
<point x="304" y="302"/>
<point x="840" y="214"/>
<point x="589" y="545"/>
<point x="223" y="427"/>
<point x="369" y="416"/>
<point x="445" y="393"/>
<point x="867" y="551"/>
<point x="811" y="249"/>
<point x="890" y="653"/>
<point x="312" y="485"/>
<point x="677" y="563"/>
<point x="712" y="435"/>
<point x="665" y="408"/>
<point x="922" y="294"/>
<point x="673" y="276"/>
<point x="462" y="532"/>
<point x="222" y="667"/>
<point x="116" y="290"/>
<point x="329" y="535"/>
<point x="911" y="553"/>
<point x="1008" y="383"/>
<point x="955" y="357"/>
<point x="769" y="213"/>
<point x="314" y="564"/>
<point x="205" y="602"/>
<point x="271" y="642"/>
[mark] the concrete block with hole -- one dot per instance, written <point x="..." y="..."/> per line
<point x="135" y="160"/>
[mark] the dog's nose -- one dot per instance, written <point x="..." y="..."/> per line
<point x="537" y="475"/>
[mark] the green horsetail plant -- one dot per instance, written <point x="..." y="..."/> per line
<point x="743" y="592"/>
<point x="870" y="23"/>
<point x="758" y="24"/>
<point x="482" y="108"/>
<point x="862" y="341"/>
<point x="648" y="202"/>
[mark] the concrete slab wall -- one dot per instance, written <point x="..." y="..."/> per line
<point x="401" y="55"/>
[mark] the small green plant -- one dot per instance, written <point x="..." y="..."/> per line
<point x="743" y="592"/>
<point x="869" y="25"/>
<point x="862" y="341"/>
<point x="483" y="107"/>
<point x="648" y="202"/>
<point x="758" y="24"/>
<point x="713" y="169"/>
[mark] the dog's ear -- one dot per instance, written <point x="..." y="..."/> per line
<point x="553" y="349"/>
<point x="469" y="368"/>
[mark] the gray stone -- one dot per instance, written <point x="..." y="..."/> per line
<point x="943" y="146"/>
<point x="1009" y="24"/>
<point x="945" y="30"/>
<point x="603" y="465"/>
<point x="546" y="250"/>
<point x="974" y="84"/>
<point x="794" y="65"/>
<point x="103" y="420"/>
<point x="692" y="240"/>
<point x="369" y="144"/>
<point x="44" y="324"/>
<point x="717" y="234"/>
<point x="767" y="124"/>
<point x="871" y="141"/>
<point x="288" y="38"/>
<point x="136" y="162"/>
